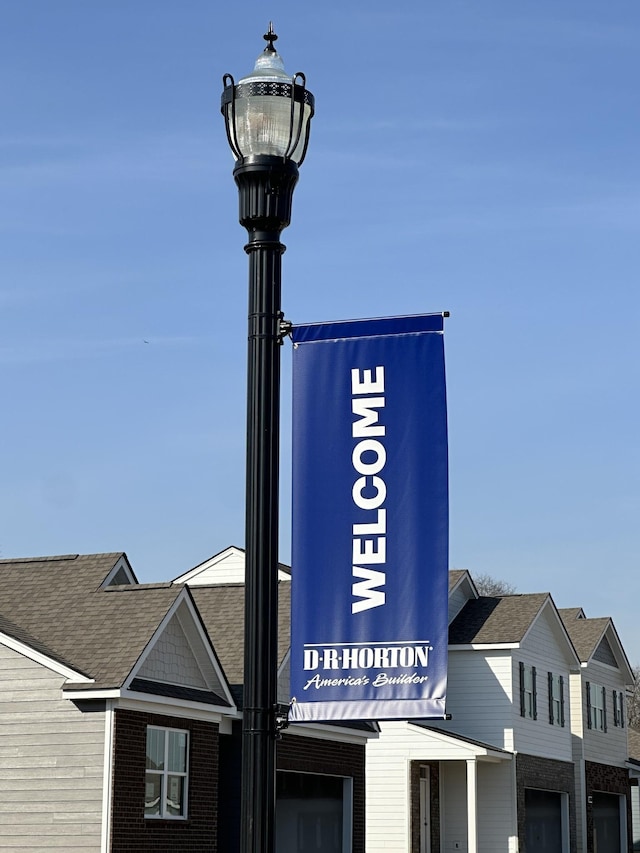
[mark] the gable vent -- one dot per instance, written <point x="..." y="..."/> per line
<point x="604" y="654"/>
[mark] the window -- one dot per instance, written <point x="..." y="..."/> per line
<point x="166" y="773"/>
<point x="596" y="707"/>
<point x="556" y="700"/>
<point x="528" y="697"/>
<point x="618" y="709"/>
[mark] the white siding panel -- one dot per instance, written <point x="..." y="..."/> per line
<point x="51" y="763"/>
<point x="479" y="696"/>
<point x="227" y="567"/>
<point x="387" y="800"/>
<point x="388" y="790"/>
<point x="539" y="737"/>
<point x="608" y="747"/>
<point x="496" y="807"/>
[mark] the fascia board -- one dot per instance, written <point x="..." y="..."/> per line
<point x="467" y="750"/>
<point x="326" y="732"/>
<point x="482" y="647"/>
<point x="44" y="660"/>
<point x="149" y="702"/>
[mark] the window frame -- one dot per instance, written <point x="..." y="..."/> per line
<point x="166" y="772"/>
<point x="556" y="700"/>
<point x="618" y="709"/>
<point x="528" y="691"/>
<point x="596" y="707"/>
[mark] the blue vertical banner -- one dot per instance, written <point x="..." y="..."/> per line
<point x="370" y="521"/>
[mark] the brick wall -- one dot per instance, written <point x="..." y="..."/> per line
<point x="434" y="805"/>
<point x="609" y="780"/>
<point x="130" y="831"/>
<point x="548" y="775"/>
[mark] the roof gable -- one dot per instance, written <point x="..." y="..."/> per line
<point x="597" y="640"/>
<point x="121" y="574"/>
<point x="223" y="568"/>
<point x="604" y="654"/>
<point x="180" y="654"/>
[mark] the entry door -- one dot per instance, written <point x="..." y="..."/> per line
<point x="606" y="823"/>
<point x="425" y="810"/>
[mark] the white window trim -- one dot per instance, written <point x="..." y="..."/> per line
<point x="596" y="700"/>
<point x="556" y="699"/>
<point x="165" y="773"/>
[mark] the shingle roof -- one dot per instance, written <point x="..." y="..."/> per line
<point x="585" y="633"/>
<point x="55" y="604"/>
<point x="569" y="613"/>
<point x="634" y="745"/>
<point x="454" y="577"/>
<point x="496" y="620"/>
<point x="221" y="607"/>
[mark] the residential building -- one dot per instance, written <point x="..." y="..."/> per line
<point x="119" y="718"/>
<point x="533" y="758"/>
<point x="500" y="771"/>
<point x="598" y="724"/>
<point x="634" y="773"/>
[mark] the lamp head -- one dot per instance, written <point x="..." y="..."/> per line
<point x="268" y="113"/>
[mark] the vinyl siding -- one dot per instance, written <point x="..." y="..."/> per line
<point x="479" y="696"/>
<point x="538" y="737"/>
<point x="388" y="794"/>
<point x="496" y="818"/>
<point x="387" y="802"/>
<point x="608" y="747"/>
<point x="51" y="763"/>
<point x="228" y="568"/>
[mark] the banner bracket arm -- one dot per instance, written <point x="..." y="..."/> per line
<point x="284" y="329"/>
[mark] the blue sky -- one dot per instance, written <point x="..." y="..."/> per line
<point x="480" y="158"/>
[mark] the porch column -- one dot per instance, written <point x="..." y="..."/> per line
<point x="472" y="805"/>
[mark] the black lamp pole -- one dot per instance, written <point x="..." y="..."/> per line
<point x="267" y="118"/>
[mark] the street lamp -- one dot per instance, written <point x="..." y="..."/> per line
<point x="267" y="117"/>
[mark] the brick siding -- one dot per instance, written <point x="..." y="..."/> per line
<point x="296" y="754"/>
<point x="545" y="774"/>
<point x="130" y="831"/>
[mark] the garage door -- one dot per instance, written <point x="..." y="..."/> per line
<point x="606" y="823"/>
<point x="543" y="821"/>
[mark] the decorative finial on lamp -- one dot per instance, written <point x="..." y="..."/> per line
<point x="270" y="36"/>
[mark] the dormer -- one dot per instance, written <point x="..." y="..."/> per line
<point x="120" y="575"/>
<point x="461" y="590"/>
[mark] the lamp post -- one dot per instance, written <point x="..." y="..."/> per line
<point x="267" y="117"/>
